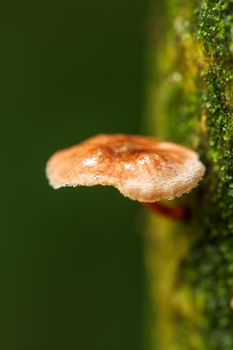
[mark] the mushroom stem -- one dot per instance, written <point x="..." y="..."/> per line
<point x="176" y="212"/>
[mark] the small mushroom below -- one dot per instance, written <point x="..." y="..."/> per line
<point x="141" y="168"/>
<point x="231" y="303"/>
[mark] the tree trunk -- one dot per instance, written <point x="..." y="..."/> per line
<point x="190" y="265"/>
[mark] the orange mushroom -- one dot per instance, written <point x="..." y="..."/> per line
<point x="141" y="168"/>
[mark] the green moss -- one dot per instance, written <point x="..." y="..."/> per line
<point x="192" y="104"/>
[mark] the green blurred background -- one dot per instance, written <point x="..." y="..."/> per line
<point x="71" y="262"/>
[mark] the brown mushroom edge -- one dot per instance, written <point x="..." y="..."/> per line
<point x="141" y="168"/>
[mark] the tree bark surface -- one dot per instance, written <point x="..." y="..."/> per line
<point x="190" y="265"/>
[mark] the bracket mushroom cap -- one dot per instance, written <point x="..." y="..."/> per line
<point x="141" y="168"/>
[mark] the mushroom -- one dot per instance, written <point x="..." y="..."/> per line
<point x="140" y="167"/>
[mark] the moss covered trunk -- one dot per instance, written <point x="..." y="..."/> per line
<point x="191" y="102"/>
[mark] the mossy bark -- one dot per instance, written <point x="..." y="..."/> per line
<point x="191" y="102"/>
